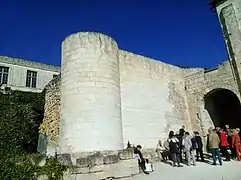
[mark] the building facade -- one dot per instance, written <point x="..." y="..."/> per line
<point x="19" y="74"/>
<point x="106" y="96"/>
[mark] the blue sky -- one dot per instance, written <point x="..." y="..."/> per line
<point x="178" y="32"/>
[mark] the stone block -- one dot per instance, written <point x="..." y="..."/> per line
<point x="98" y="168"/>
<point x="84" y="170"/>
<point x="65" y="159"/>
<point x="150" y="154"/>
<point x="126" y="154"/>
<point x="95" y="159"/>
<point x="111" y="159"/>
<point x="82" y="162"/>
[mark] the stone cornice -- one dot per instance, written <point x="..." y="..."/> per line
<point x="31" y="64"/>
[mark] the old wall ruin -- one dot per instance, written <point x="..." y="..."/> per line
<point x="154" y="96"/>
<point x="155" y="109"/>
<point x="107" y="85"/>
<point x="201" y="83"/>
<point x="50" y="125"/>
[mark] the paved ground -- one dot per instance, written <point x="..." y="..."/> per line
<point x="203" y="171"/>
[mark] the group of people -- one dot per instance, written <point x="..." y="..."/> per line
<point x="182" y="146"/>
<point x="225" y="142"/>
<point x="179" y="144"/>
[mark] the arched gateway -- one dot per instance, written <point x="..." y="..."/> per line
<point x="224" y="107"/>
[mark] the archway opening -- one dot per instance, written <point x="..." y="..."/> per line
<point x="223" y="107"/>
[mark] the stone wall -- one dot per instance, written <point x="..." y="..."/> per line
<point x="105" y="165"/>
<point x="224" y="76"/>
<point x="50" y="125"/>
<point x="90" y="94"/>
<point x="153" y="99"/>
<point x="111" y="96"/>
<point x="229" y="14"/>
<point x="201" y="83"/>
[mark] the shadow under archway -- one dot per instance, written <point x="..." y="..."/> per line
<point x="223" y="107"/>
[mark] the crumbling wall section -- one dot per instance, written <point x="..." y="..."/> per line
<point x="50" y="125"/>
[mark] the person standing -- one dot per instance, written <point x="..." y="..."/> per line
<point x="214" y="146"/>
<point x="189" y="149"/>
<point x="180" y="136"/>
<point x="199" y="150"/>
<point x="229" y="134"/>
<point x="236" y="143"/>
<point x="174" y="149"/>
<point x="224" y="144"/>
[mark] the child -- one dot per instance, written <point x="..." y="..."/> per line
<point x="149" y="166"/>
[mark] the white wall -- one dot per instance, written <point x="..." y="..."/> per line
<point x="110" y="96"/>
<point x="90" y="116"/>
<point x="17" y="77"/>
<point x="153" y="99"/>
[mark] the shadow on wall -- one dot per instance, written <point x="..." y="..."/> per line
<point x="223" y="107"/>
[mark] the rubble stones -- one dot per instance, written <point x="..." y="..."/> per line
<point x="122" y="169"/>
<point x="95" y="159"/>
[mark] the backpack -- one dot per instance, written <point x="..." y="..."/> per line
<point x="194" y="143"/>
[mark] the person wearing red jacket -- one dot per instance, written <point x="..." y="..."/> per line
<point x="236" y="143"/>
<point x="224" y="144"/>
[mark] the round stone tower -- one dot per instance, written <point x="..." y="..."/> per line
<point x="90" y="116"/>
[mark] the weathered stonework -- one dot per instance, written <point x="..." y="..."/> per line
<point x="110" y="96"/>
<point x="50" y="125"/>
<point x="107" y="165"/>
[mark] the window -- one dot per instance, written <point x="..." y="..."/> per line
<point x="4" y="75"/>
<point x="55" y="75"/>
<point x="31" y="79"/>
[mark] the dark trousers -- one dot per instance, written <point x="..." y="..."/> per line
<point x="180" y="155"/>
<point x="165" y="155"/>
<point x="233" y="153"/>
<point x="141" y="163"/>
<point x="224" y="150"/>
<point x="216" y="155"/>
<point x="199" y="152"/>
<point x="175" y="158"/>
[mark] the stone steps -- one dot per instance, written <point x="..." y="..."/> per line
<point x="104" y="165"/>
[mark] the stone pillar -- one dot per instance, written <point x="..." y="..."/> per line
<point x="90" y="116"/>
<point x="229" y="13"/>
